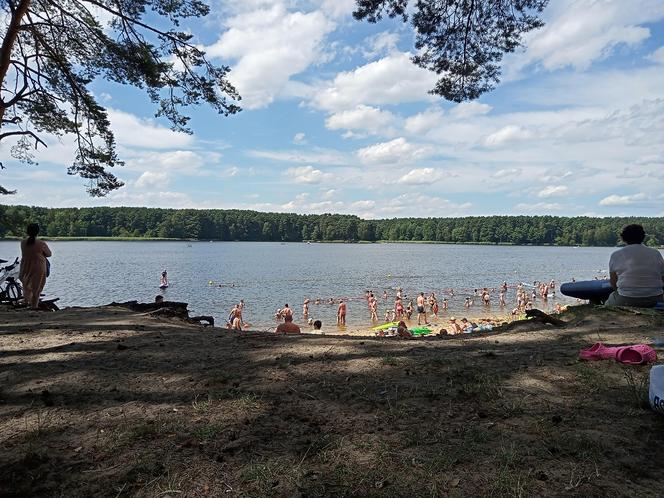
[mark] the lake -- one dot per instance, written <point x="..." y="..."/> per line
<point x="268" y="275"/>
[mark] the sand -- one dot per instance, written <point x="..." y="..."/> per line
<point x="111" y="402"/>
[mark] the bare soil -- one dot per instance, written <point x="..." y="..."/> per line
<point x="112" y="402"/>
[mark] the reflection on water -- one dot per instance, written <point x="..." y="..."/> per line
<point x="212" y="277"/>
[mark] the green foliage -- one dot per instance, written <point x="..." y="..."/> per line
<point x="53" y="50"/>
<point x="462" y="41"/>
<point x="217" y="224"/>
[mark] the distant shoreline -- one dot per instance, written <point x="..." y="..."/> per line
<point x="160" y="239"/>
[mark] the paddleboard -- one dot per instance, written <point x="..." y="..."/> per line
<point x="385" y="326"/>
<point x="595" y="291"/>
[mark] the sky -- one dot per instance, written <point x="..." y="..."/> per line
<point x="336" y="118"/>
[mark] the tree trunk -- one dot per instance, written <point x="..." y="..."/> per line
<point x="8" y="45"/>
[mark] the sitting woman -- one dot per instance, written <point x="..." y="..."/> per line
<point x="402" y="330"/>
<point x="455" y="328"/>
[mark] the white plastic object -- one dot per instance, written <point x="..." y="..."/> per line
<point x="657" y="388"/>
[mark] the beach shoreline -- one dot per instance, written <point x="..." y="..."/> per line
<point x="133" y="404"/>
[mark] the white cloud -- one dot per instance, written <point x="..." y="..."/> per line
<point x="308" y="175"/>
<point x="391" y="80"/>
<point x="132" y="131"/>
<point x="624" y="200"/>
<point x="398" y="150"/>
<point x="231" y="172"/>
<point x="507" y="173"/>
<point x="183" y="162"/>
<point x="338" y="8"/>
<point x="509" y="133"/>
<point x="539" y="207"/>
<point x="153" y="179"/>
<point x="300" y="139"/>
<point x="420" y="176"/>
<point x="423" y="122"/>
<point x="580" y="32"/>
<point x="270" y="46"/>
<point x="127" y="197"/>
<point x="470" y="109"/>
<point x="380" y="44"/>
<point x="329" y="194"/>
<point x="363" y="118"/>
<point x="657" y="56"/>
<point x="553" y="191"/>
<point x="315" y="156"/>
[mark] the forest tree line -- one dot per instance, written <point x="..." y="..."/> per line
<point x="241" y="225"/>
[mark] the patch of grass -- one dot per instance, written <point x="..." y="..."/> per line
<point x="592" y="378"/>
<point x="36" y="423"/>
<point x="638" y="381"/>
<point x="390" y="360"/>
<point x="510" y="479"/>
<point x="201" y="405"/>
<point x="206" y="432"/>
<point x="510" y="482"/>
<point x="272" y="477"/>
<point x="512" y="407"/>
<point x="143" y="431"/>
<point x="482" y="385"/>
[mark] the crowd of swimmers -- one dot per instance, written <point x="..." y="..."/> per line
<point x="424" y="306"/>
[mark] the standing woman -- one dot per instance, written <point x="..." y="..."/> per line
<point x="33" y="266"/>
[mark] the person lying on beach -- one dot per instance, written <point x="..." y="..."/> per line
<point x="288" y="327"/>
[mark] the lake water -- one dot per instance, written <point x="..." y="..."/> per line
<point x="268" y="275"/>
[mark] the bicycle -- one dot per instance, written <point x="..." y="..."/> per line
<point x="10" y="288"/>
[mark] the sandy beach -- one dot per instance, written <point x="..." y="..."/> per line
<point x="112" y="402"/>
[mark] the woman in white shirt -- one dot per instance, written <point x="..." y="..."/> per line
<point x="636" y="272"/>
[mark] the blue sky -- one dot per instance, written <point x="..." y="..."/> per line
<point x="337" y="119"/>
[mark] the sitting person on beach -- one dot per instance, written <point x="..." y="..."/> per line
<point x="636" y="272"/>
<point x="318" y="325"/>
<point x="455" y="328"/>
<point x="288" y="327"/>
<point x="402" y="330"/>
<point x="159" y="299"/>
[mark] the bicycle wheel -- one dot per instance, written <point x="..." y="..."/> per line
<point x="14" y="292"/>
